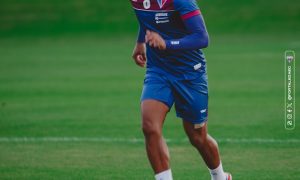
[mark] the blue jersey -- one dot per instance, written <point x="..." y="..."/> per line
<point x="166" y="17"/>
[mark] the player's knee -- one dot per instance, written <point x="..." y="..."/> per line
<point x="197" y="140"/>
<point x="150" y="129"/>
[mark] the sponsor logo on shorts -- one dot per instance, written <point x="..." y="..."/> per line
<point x="203" y="111"/>
<point x="197" y="66"/>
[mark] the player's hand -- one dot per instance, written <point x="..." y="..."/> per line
<point x="155" y="40"/>
<point x="139" y="54"/>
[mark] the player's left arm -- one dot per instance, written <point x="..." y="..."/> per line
<point x="196" y="39"/>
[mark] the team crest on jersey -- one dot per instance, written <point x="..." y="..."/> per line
<point x="153" y="5"/>
<point x="161" y="3"/>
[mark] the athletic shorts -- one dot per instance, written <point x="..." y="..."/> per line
<point x="189" y="96"/>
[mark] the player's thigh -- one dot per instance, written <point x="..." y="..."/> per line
<point x="153" y="113"/>
<point x="156" y="100"/>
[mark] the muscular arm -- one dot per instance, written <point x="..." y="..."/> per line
<point x="197" y="39"/>
<point x="139" y="51"/>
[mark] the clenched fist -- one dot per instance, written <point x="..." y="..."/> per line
<point x="155" y="40"/>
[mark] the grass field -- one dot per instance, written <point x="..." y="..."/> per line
<point x="69" y="92"/>
<point x="89" y="88"/>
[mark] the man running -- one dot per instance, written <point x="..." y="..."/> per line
<point x="171" y="36"/>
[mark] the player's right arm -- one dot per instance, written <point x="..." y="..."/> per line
<point x="139" y="51"/>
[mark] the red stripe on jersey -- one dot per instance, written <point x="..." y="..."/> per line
<point x="191" y="14"/>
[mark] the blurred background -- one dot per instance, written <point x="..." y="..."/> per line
<point x="77" y="17"/>
<point x="69" y="91"/>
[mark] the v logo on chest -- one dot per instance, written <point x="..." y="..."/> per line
<point x="161" y="3"/>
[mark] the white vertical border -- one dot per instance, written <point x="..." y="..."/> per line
<point x="294" y="89"/>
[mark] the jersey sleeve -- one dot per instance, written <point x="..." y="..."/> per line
<point x="141" y="34"/>
<point x="197" y="39"/>
<point x="187" y="8"/>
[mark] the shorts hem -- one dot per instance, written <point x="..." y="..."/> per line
<point x="157" y="99"/>
<point x="199" y="121"/>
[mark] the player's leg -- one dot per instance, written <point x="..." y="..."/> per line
<point x="157" y="99"/>
<point x="208" y="148"/>
<point x="204" y="143"/>
<point x="153" y="116"/>
<point x="191" y="103"/>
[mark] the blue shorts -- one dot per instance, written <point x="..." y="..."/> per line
<point x="190" y="96"/>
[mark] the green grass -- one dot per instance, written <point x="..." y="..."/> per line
<point x="89" y="87"/>
<point x="55" y="85"/>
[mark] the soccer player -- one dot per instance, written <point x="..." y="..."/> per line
<point x="171" y="36"/>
